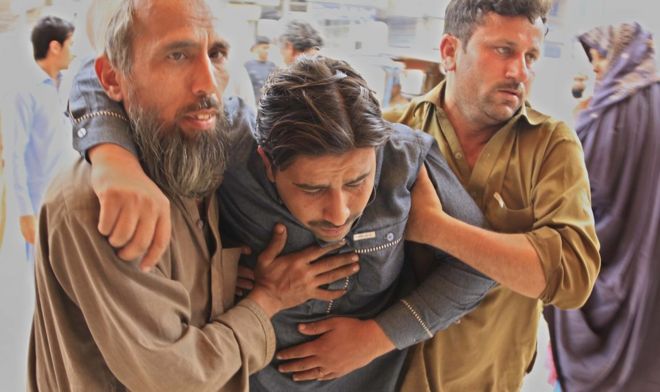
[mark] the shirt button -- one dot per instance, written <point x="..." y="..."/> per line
<point x="459" y="155"/>
<point x="390" y="236"/>
<point x="200" y="224"/>
<point x="82" y="132"/>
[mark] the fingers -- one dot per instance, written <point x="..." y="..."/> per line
<point x="313" y="374"/>
<point x="275" y="246"/>
<point x="336" y="274"/>
<point x="246" y="250"/>
<point x="330" y="263"/>
<point x="245" y="281"/>
<point x="245" y="272"/>
<point x="159" y="243"/>
<point x="137" y="245"/>
<point x="244" y="284"/>
<point x="314" y="252"/>
<point x="316" y="328"/>
<point x="108" y="215"/>
<point x="299" y="365"/>
<point x="124" y="229"/>
<point x="303" y="350"/>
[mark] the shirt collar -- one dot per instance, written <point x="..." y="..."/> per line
<point x="39" y="75"/>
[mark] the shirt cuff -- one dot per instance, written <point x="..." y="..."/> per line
<point x="403" y="325"/>
<point x="265" y="323"/>
<point x="110" y="127"/>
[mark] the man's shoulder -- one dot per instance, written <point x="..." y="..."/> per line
<point x="404" y="136"/>
<point x="541" y="125"/>
<point x="70" y="193"/>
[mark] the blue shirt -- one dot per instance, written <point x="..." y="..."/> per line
<point x="38" y="138"/>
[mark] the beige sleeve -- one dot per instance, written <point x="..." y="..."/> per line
<point x="140" y="321"/>
<point x="564" y="233"/>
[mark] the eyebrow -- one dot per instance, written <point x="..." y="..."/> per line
<point x="178" y="45"/>
<point x="514" y="44"/>
<point x="217" y="44"/>
<point x="311" y="187"/>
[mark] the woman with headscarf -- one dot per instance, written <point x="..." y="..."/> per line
<point x="612" y="343"/>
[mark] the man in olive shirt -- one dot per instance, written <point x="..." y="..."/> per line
<point x="103" y="324"/>
<point x="526" y="172"/>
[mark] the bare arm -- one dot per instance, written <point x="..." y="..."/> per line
<point x="509" y="259"/>
<point x="135" y="214"/>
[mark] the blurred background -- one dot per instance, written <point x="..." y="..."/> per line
<point x="393" y="43"/>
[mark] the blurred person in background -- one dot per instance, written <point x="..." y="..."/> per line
<point x="526" y="172"/>
<point x="38" y="136"/>
<point x="299" y="38"/>
<point x="259" y="67"/>
<point x="610" y="344"/>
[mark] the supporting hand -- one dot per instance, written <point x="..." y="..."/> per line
<point x="281" y="282"/>
<point x="344" y="345"/>
<point x="135" y="214"/>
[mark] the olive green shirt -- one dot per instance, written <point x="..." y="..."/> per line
<point x="100" y="324"/>
<point x="530" y="178"/>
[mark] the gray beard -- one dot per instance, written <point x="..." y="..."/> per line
<point x="183" y="166"/>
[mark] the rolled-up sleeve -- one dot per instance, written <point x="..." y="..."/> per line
<point x="96" y="118"/>
<point x="563" y="233"/>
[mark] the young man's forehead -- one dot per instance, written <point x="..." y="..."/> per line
<point x="494" y="26"/>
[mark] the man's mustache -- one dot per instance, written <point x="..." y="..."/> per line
<point x="518" y="87"/>
<point x="204" y="103"/>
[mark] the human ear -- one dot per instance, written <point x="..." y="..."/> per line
<point x="449" y="46"/>
<point x="54" y="47"/>
<point x="267" y="164"/>
<point x="109" y="78"/>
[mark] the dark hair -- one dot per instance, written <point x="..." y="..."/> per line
<point x="302" y="36"/>
<point x="463" y="16"/>
<point x="47" y="29"/>
<point x="317" y="106"/>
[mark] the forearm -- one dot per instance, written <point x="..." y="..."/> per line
<point x="449" y="291"/>
<point x="509" y="259"/>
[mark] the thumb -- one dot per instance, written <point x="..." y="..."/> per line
<point x="275" y="246"/>
<point x="315" y="328"/>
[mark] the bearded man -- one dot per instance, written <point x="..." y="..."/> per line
<point x="103" y="324"/>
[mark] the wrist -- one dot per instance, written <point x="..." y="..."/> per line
<point x="112" y="154"/>
<point x="267" y="302"/>
<point x="382" y="344"/>
<point x="436" y="229"/>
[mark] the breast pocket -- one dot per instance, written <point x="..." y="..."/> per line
<point x="381" y="256"/>
<point x="508" y="220"/>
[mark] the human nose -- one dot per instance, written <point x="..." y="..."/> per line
<point x="518" y="69"/>
<point x="205" y="80"/>
<point x="336" y="209"/>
